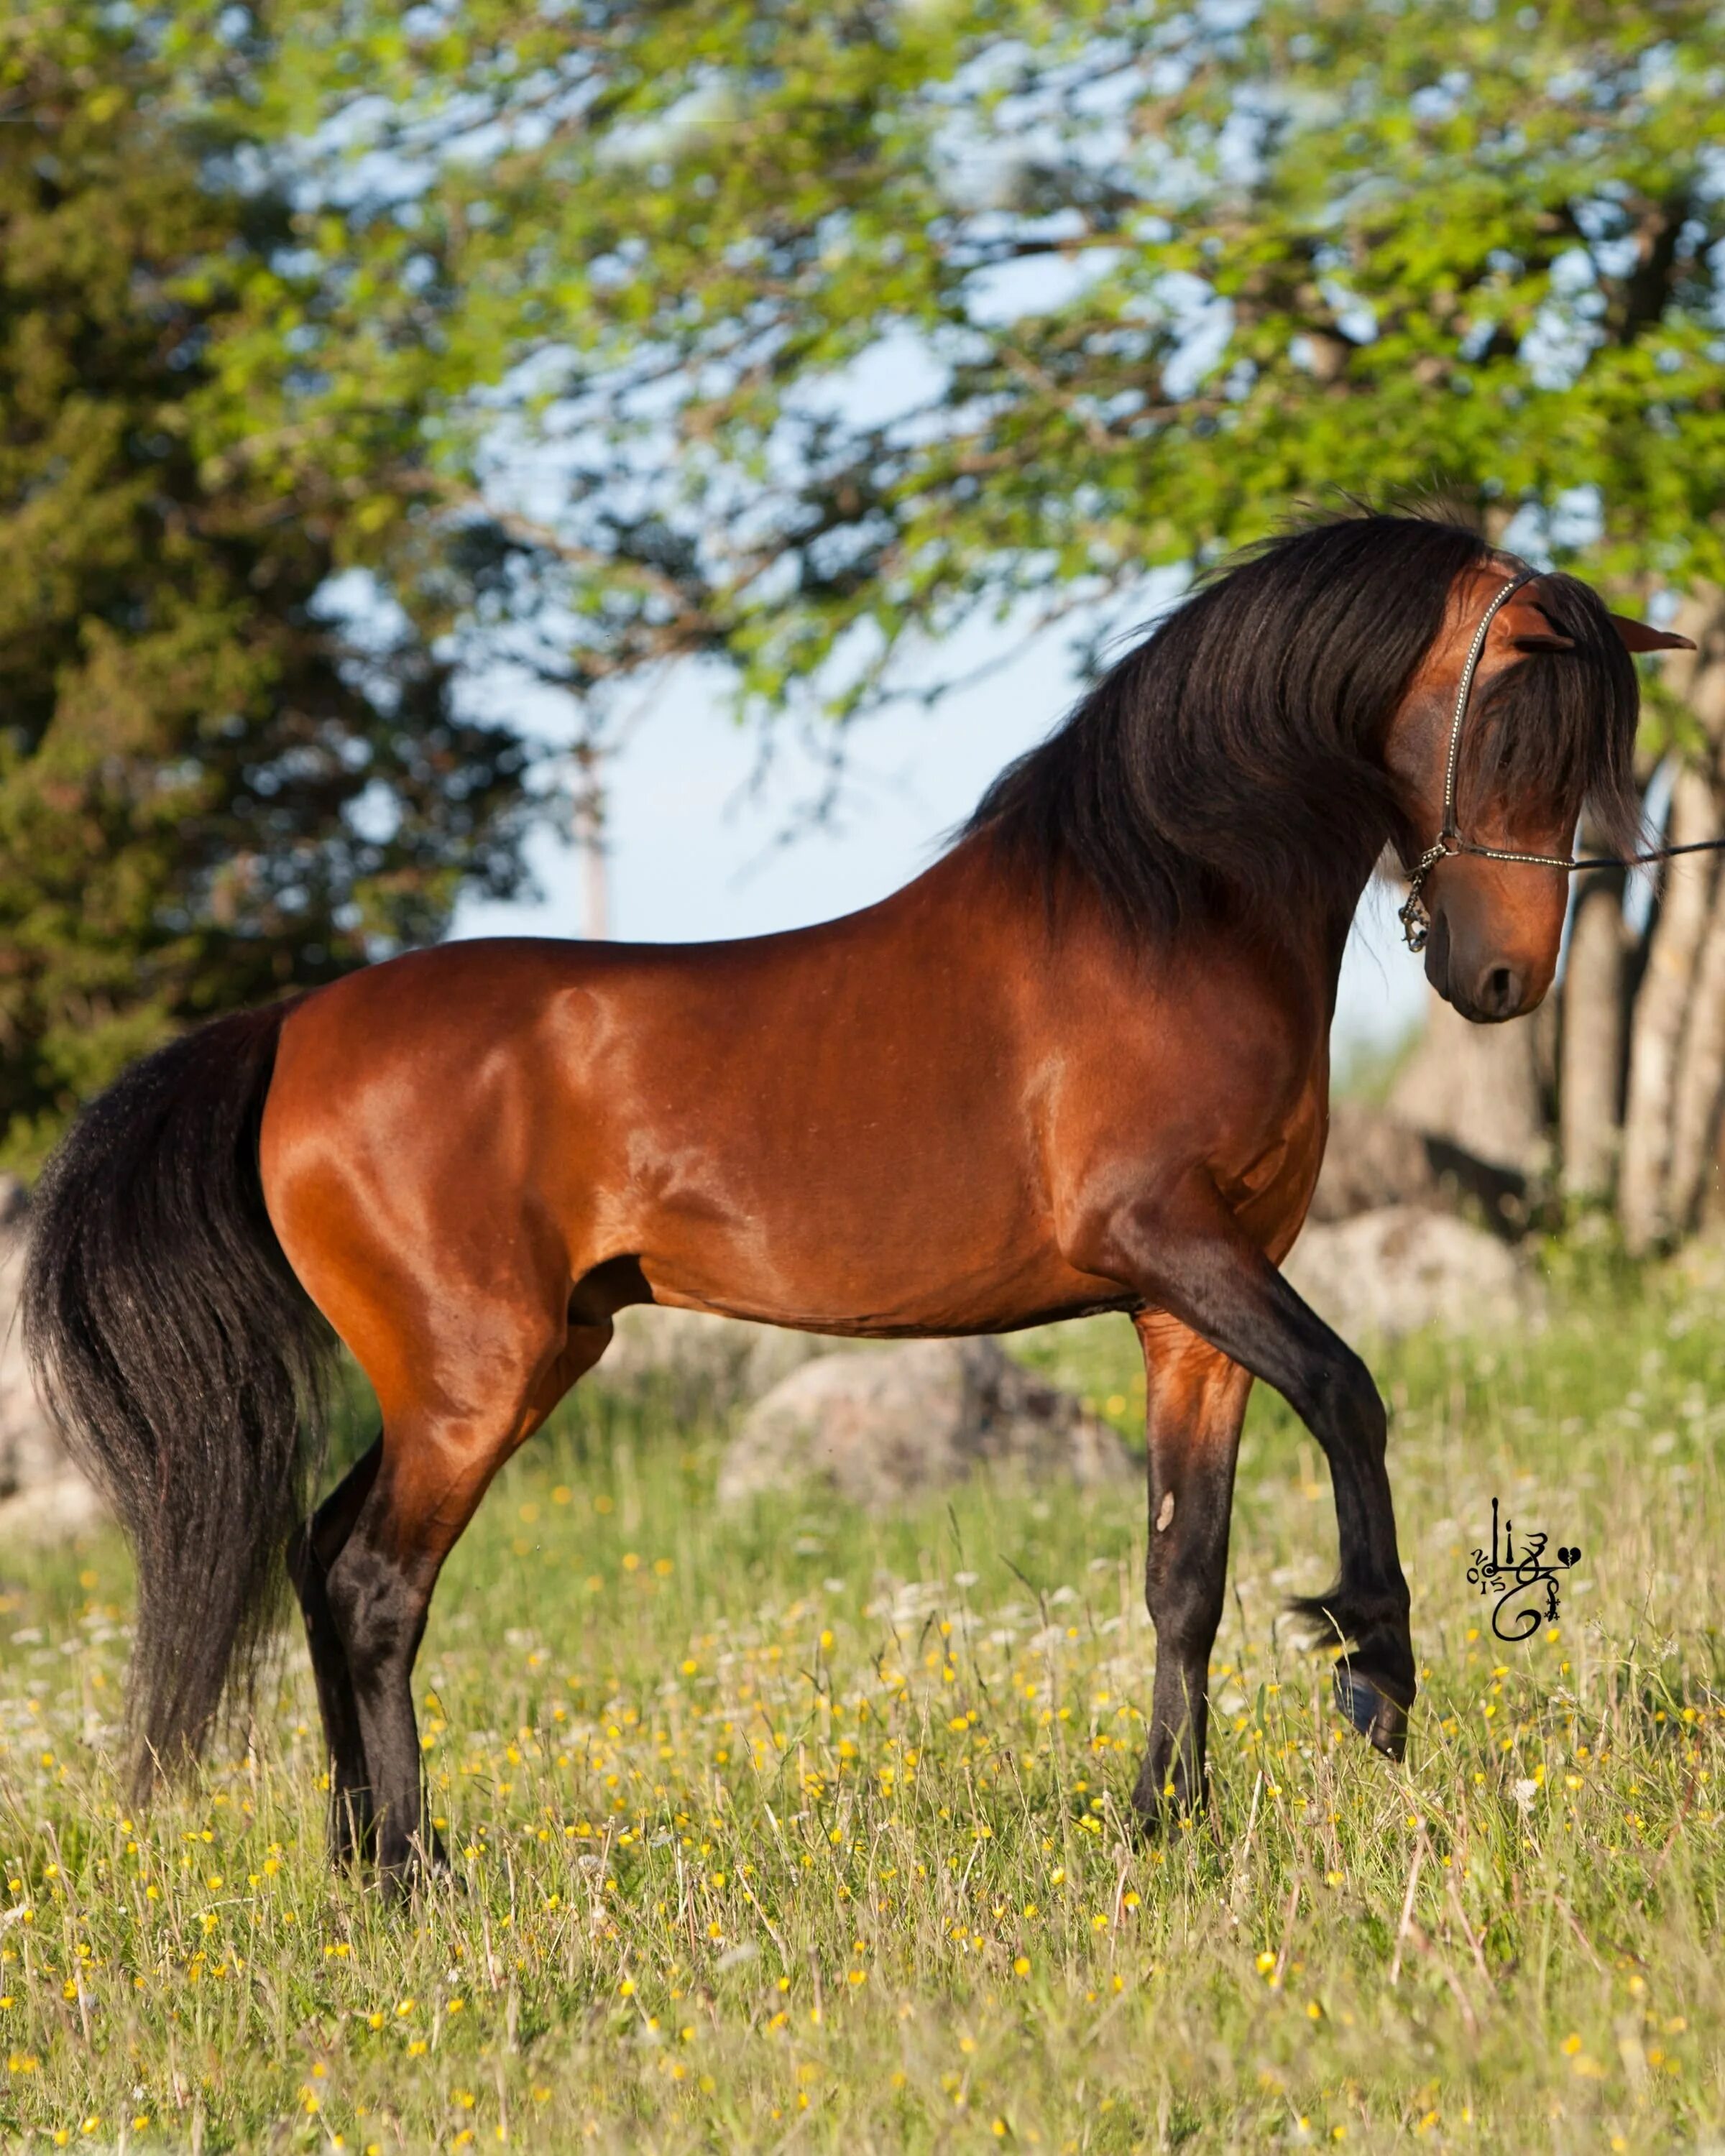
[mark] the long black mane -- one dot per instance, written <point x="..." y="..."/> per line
<point x="1224" y="768"/>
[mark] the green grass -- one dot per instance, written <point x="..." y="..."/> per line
<point x="799" y="1830"/>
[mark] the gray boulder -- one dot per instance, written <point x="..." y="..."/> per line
<point x="698" y="1364"/>
<point x="1389" y="1271"/>
<point x="914" y="1417"/>
<point x="1375" y="1158"/>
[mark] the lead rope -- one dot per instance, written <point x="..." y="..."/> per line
<point x="1416" y="921"/>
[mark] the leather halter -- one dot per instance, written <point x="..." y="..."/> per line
<point x="1416" y="921"/>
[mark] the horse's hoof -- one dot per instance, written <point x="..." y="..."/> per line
<point x="401" y="1879"/>
<point x="1153" y="1819"/>
<point x="1378" y="1718"/>
<point x="1161" y="1805"/>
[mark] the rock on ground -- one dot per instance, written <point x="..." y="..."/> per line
<point x="1374" y="1158"/>
<point x="697" y="1363"/>
<point x="1393" y="1269"/>
<point x="41" y="1495"/>
<point x="913" y="1418"/>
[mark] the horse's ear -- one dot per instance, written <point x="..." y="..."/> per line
<point x="1526" y="628"/>
<point x="1640" y="636"/>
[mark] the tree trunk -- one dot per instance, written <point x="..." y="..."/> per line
<point x="1480" y="1087"/>
<point x="1677" y="1051"/>
<point x="1700" y="1078"/>
<point x="1596" y="1028"/>
<point x="1644" y="1187"/>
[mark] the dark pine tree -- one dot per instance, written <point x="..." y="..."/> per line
<point x="211" y="788"/>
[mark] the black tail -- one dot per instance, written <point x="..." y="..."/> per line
<point x="182" y="1359"/>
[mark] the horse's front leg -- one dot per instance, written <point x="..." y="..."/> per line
<point x="1185" y="1253"/>
<point x="1195" y="1401"/>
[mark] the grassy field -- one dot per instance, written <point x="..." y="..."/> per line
<point x="797" y="1831"/>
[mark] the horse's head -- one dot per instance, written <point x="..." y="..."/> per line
<point x="1501" y="761"/>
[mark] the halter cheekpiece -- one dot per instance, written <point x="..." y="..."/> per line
<point x="1416" y="921"/>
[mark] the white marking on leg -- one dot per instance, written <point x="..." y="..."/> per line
<point x="1165" y="1513"/>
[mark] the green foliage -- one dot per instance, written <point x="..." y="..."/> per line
<point x="211" y="788"/>
<point x="793" y="1827"/>
<point x="1151" y="274"/>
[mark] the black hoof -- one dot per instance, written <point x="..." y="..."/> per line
<point x="1377" y="1717"/>
<point x="353" y="1833"/>
<point x="1162" y="1804"/>
<point x="1154" y="1819"/>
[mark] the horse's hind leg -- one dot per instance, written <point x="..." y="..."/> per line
<point x="442" y="1444"/>
<point x="319" y="1542"/>
<point x="1196" y="1402"/>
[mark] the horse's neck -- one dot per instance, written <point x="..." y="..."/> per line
<point x="971" y="887"/>
<point x="1070" y="965"/>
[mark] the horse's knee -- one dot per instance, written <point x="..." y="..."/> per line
<point x="1186" y="1568"/>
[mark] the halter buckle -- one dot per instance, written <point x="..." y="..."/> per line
<point x="1416" y="921"/>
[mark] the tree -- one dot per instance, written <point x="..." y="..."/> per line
<point x="212" y="786"/>
<point x="1375" y="248"/>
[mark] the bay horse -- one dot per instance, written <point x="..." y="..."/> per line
<point x="1080" y="1065"/>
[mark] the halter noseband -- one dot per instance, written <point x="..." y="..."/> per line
<point x="1416" y="921"/>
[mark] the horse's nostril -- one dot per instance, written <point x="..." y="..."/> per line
<point x="1503" y="992"/>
